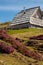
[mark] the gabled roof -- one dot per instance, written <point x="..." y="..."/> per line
<point x="21" y="17"/>
<point x="30" y="11"/>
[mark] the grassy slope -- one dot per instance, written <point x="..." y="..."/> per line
<point x="16" y="58"/>
<point x="25" y="33"/>
<point x="2" y="25"/>
<point x="26" y="30"/>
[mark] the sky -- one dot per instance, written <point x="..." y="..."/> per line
<point x="9" y="8"/>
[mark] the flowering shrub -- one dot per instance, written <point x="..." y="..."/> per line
<point x="40" y="37"/>
<point x="18" y="45"/>
<point x="6" y="48"/>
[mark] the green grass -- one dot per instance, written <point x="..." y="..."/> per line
<point x="34" y="30"/>
<point x="25" y="33"/>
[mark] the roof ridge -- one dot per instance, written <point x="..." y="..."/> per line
<point x="29" y="9"/>
<point x="34" y="7"/>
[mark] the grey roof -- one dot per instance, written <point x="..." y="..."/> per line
<point x="29" y="9"/>
<point x="24" y="17"/>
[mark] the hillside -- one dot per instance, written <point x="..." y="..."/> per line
<point x="3" y="25"/>
<point x="17" y="58"/>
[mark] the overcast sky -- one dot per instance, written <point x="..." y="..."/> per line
<point x="9" y="8"/>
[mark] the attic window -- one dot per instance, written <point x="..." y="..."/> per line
<point x="24" y="9"/>
<point x="24" y="12"/>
